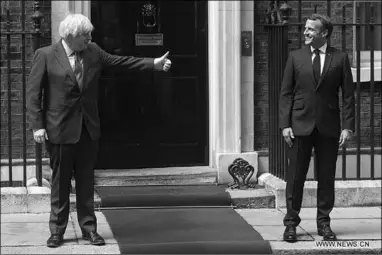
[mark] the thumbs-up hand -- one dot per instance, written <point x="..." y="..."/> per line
<point x="162" y="63"/>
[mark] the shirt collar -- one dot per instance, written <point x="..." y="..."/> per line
<point x="68" y="50"/>
<point x="322" y="48"/>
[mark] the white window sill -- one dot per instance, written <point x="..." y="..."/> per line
<point x="365" y="73"/>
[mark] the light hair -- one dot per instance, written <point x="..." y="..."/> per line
<point x="75" y="24"/>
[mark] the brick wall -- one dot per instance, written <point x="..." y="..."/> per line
<point x="17" y="73"/>
<point x="261" y="68"/>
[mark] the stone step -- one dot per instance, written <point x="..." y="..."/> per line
<point x="37" y="199"/>
<point x="156" y="176"/>
<point x="256" y="198"/>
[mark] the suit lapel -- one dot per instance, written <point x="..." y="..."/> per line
<point x="63" y="60"/>
<point x="328" y="59"/>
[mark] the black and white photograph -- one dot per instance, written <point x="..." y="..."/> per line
<point x="191" y="127"/>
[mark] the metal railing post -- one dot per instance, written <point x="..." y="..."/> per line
<point x="36" y="17"/>
<point x="277" y="19"/>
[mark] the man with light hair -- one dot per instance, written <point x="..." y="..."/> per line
<point x="62" y="94"/>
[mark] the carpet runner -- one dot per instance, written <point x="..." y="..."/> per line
<point x="178" y="220"/>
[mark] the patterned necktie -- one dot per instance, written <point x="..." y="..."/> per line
<point x="78" y="68"/>
<point x="317" y="65"/>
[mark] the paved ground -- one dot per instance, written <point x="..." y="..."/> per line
<point x="358" y="228"/>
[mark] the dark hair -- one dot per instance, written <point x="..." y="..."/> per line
<point x="325" y="21"/>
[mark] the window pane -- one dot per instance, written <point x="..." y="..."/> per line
<point x="369" y="12"/>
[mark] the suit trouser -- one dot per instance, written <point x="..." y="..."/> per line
<point x="299" y="155"/>
<point x="78" y="159"/>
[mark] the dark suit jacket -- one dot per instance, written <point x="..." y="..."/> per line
<point x="55" y="101"/>
<point x="304" y="104"/>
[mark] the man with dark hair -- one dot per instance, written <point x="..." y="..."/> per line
<point x="310" y="118"/>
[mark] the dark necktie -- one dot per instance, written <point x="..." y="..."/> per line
<point x="78" y="68"/>
<point x="316" y="65"/>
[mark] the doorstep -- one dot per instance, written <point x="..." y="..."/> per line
<point x="37" y="199"/>
<point x="254" y="198"/>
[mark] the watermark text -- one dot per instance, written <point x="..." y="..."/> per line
<point x="343" y="244"/>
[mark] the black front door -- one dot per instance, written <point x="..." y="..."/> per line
<point x="153" y="119"/>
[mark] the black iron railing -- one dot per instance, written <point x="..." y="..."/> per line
<point x="12" y="112"/>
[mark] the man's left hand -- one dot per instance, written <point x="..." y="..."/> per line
<point x="162" y="63"/>
<point x="344" y="137"/>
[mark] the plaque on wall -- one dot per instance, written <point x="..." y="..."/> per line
<point x="149" y="39"/>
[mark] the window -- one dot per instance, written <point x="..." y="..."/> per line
<point x="366" y="11"/>
<point x="369" y="10"/>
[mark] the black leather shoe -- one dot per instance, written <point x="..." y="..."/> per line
<point x="327" y="233"/>
<point x="55" y="241"/>
<point x="94" y="238"/>
<point x="290" y="234"/>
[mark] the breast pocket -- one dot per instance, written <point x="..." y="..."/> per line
<point x="333" y="77"/>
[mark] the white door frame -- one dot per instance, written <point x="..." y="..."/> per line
<point x="223" y="67"/>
